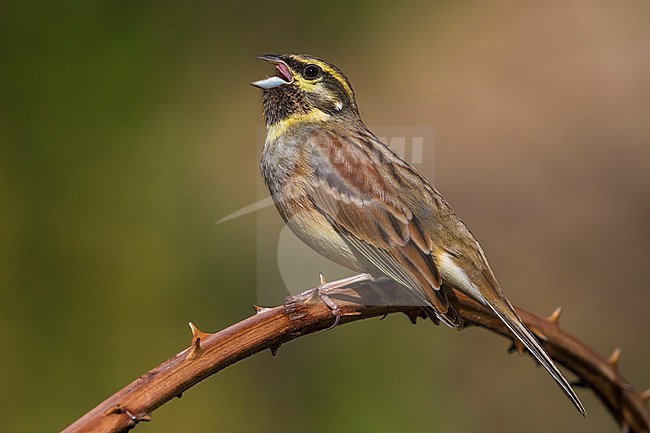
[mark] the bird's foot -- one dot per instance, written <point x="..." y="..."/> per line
<point x="323" y="292"/>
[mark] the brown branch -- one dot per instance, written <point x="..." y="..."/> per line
<point x="269" y="328"/>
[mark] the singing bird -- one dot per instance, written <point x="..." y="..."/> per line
<point x="354" y="200"/>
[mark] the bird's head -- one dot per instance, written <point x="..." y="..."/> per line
<point x="305" y="87"/>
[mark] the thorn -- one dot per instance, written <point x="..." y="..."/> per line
<point x="197" y="336"/>
<point x="412" y="315"/>
<point x="517" y="346"/>
<point x="128" y="413"/>
<point x="135" y="419"/>
<point x="196" y="332"/>
<point x="645" y="395"/>
<point x="579" y="383"/>
<point x="613" y="358"/>
<point x="119" y="409"/>
<point x="555" y="316"/>
<point x="116" y="408"/>
<point x="539" y="333"/>
<point x="274" y="349"/>
<point x="259" y="309"/>
<point x="322" y="279"/>
<point x="196" y="350"/>
<point x="383" y="317"/>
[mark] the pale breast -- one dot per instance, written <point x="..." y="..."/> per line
<point x="314" y="230"/>
<point x="287" y="177"/>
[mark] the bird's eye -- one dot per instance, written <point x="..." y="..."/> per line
<point x="311" y="72"/>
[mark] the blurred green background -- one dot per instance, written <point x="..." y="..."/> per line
<point x="128" y="128"/>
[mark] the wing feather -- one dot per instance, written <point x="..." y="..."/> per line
<point x="353" y="190"/>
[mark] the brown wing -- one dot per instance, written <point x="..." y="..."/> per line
<point x="354" y="186"/>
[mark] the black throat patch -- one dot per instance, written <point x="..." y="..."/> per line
<point x="282" y="102"/>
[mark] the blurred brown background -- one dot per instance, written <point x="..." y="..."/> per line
<point x="127" y="129"/>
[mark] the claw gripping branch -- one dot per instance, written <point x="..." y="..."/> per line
<point x="271" y="327"/>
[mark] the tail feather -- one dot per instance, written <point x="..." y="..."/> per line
<point x="508" y="315"/>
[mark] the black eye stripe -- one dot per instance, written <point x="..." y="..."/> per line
<point x="311" y="72"/>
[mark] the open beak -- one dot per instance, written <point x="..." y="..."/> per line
<point x="284" y="74"/>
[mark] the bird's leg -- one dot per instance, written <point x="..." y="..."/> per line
<point x="323" y="292"/>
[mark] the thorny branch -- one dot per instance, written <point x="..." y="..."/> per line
<point x="271" y="327"/>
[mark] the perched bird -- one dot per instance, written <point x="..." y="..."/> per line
<point x="354" y="200"/>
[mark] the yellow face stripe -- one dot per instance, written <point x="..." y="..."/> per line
<point x="280" y="127"/>
<point x="329" y="70"/>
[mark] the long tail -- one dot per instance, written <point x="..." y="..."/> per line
<point x="508" y="315"/>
